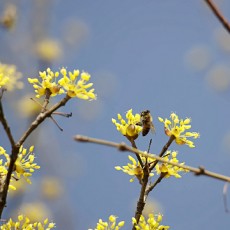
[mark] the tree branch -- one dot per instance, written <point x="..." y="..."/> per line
<point x="218" y="14"/>
<point x="123" y="147"/>
<point x="16" y="146"/>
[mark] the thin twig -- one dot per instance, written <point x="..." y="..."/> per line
<point x="164" y="149"/>
<point x="138" y="157"/>
<point x="152" y="186"/>
<point x="123" y="147"/>
<point x="225" y="191"/>
<point x="5" y="125"/>
<point x="218" y="14"/>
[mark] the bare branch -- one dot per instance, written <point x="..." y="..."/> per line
<point x="218" y="14"/>
<point x="123" y="147"/>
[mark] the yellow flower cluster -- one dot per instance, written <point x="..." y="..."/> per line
<point x="24" y="223"/>
<point x="152" y="223"/>
<point x="130" y="129"/>
<point x="73" y="84"/>
<point x="178" y="128"/>
<point x="167" y="169"/>
<point x="9" y="77"/>
<point x="24" y="165"/>
<point x="133" y="169"/>
<point x="110" y="225"/>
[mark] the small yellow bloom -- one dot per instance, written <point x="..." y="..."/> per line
<point x="167" y="169"/>
<point x="24" y="222"/>
<point x="133" y="169"/>
<point x="129" y="128"/>
<point x="73" y="84"/>
<point x="76" y="84"/>
<point x="178" y="128"/>
<point x="110" y="225"/>
<point x="152" y="223"/>
<point x="24" y="165"/>
<point x="48" y="84"/>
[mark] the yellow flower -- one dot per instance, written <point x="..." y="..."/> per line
<point x="48" y="49"/>
<point x="4" y="169"/>
<point x="9" y="77"/>
<point x="178" y="129"/>
<point x="73" y="84"/>
<point x="110" y="225"/>
<point x="152" y="223"/>
<point x="24" y="165"/>
<point x="76" y="84"/>
<point x="24" y="222"/>
<point x="168" y="169"/>
<point x="51" y="188"/>
<point x="130" y="129"/>
<point x="133" y="169"/>
<point x="48" y="83"/>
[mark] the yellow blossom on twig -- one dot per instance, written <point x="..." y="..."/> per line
<point x="178" y="128"/>
<point x="48" y="82"/>
<point x="73" y="84"/>
<point x="4" y="169"/>
<point x="167" y="169"/>
<point x="110" y="225"/>
<point x="152" y="223"/>
<point x="24" y="222"/>
<point x="76" y="84"/>
<point x="24" y="165"/>
<point x="129" y="128"/>
<point x="133" y="169"/>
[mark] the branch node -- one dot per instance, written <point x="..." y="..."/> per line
<point x="201" y="171"/>
<point x="122" y="146"/>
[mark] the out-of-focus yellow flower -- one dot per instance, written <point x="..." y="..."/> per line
<point x="28" y="108"/>
<point x="48" y="49"/>
<point x="35" y="211"/>
<point x="25" y="223"/>
<point x="130" y="129"/>
<point x="152" y="223"/>
<point x="76" y="84"/>
<point x="9" y="77"/>
<point x="167" y="169"/>
<point x="110" y="225"/>
<point x="178" y="129"/>
<point x="133" y="169"/>
<point x="51" y="188"/>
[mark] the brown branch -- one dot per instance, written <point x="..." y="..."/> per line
<point x="164" y="149"/>
<point x="218" y="14"/>
<point x="141" y="200"/>
<point x="123" y="147"/>
<point x="16" y="146"/>
<point x="5" y="125"/>
<point x="134" y="146"/>
<point x="152" y="186"/>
